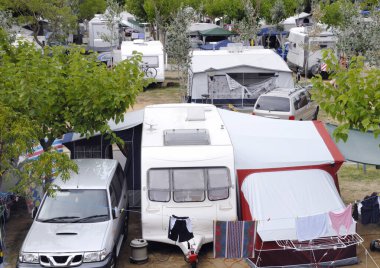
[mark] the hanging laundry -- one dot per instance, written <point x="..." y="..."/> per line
<point x="343" y="218"/>
<point x="311" y="227"/>
<point x="355" y="211"/>
<point x="180" y="229"/>
<point x="370" y="212"/>
<point x="234" y="239"/>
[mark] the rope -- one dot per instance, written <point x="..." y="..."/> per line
<point x="367" y="254"/>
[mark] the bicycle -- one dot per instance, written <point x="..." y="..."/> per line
<point x="150" y="72"/>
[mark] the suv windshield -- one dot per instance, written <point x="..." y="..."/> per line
<point x="272" y="103"/>
<point x="75" y="206"/>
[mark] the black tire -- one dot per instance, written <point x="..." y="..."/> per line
<point x="113" y="262"/>
<point x="314" y="70"/>
<point x="315" y="116"/>
<point x="372" y="246"/>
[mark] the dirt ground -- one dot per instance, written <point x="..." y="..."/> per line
<point x="354" y="185"/>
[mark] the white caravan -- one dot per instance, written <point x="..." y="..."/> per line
<point x="152" y="57"/>
<point x="306" y="50"/>
<point x="98" y="30"/>
<point x="187" y="170"/>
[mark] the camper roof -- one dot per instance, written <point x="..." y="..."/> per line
<point x="222" y="59"/>
<point x="183" y="125"/>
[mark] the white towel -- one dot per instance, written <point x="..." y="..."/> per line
<point x="311" y="227"/>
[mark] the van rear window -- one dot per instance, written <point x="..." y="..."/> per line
<point x="272" y="103"/>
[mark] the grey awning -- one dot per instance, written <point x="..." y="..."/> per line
<point x="360" y="147"/>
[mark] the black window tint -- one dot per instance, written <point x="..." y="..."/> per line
<point x="303" y="100"/>
<point x="114" y="202"/>
<point x="272" y="103"/>
<point x="120" y="175"/>
<point x="117" y="188"/>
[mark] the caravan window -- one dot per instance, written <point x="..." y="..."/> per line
<point x="159" y="185"/>
<point x="189" y="185"/>
<point x="218" y="183"/>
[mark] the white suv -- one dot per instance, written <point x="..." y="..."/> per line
<point x="285" y="103"/>
<point x="84" y="224"/>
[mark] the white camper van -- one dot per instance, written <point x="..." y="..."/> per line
<point x="152" y="57"/>
<point x="187" y="170"/>
<point x="97" y="29"/>
<point x="306" y="50"/>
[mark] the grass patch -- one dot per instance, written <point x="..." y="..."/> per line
<point x="351" y="172"/>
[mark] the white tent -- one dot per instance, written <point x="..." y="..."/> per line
<point x="255" y="70"/>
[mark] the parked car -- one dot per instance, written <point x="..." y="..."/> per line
<point x="84" y="223"/>
<point x="285" y="103"/>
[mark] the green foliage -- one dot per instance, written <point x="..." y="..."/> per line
<point x="352" y="97"/>
<point x="338" y="14"/>
<point x="57" y="12"/>
<point x="88" y="8"/>
<point x="278" y="11"/>
<point x="136" y="7"/>
<point x="62" y="90"/>
<point x="178" y="44"/>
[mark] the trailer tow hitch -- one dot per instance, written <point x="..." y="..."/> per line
<point x="191" y="256"/>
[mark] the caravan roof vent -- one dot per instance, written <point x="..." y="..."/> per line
<point x="174" y="137"/>
<point x="195" y="114"/>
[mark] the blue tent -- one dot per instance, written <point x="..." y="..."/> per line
<point x="271" y="31"/>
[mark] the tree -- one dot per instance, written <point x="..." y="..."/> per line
<point x="278" y="12"/>
<point x="356" y="35"/>
<point x="136" y="7"/>
<point x="63" y="90"/>
<point x="88" y="8"/>
<point x="112" y="19"/>
<point x="352" y="97"/>
<point x="178" y="45"/>
<point x="58" y="13"/>
<point x="248" y="26"/>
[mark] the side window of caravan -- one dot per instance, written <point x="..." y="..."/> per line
<point x="218" y="183"/>
<point x="159" y="185"/>
<point x="189" y="185"/>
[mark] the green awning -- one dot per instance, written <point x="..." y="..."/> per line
<point x="360" y="147"/>
<point x="216" y="32"/>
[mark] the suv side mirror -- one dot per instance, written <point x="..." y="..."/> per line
<point x="34" y="212"/>
<point x="115" y="213"/>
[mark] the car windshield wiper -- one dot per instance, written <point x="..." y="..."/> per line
<point x="91" y="217"/>
<point x="59" y="218"/>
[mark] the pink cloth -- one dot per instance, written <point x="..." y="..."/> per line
<point x="343" y="218"/>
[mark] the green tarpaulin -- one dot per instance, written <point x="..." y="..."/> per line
<point x="216" y="32"/>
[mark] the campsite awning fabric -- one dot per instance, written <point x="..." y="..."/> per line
<point x="264" y="59"/>
<point x="131" y="119"/>
<point x="271" y="32"/>
<point x="359" y="147"/>
<point x="216" y="32"/>
<point x="261" y="143"/>
<point x="276" y="199"/>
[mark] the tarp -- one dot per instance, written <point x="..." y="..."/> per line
<point x="131" y="119"/>
<point x="266" y="143"/>
<point x="276" y="199"/>
<point x="216" y="46"/>
<point x="196" y="28"/>
<point x="216" y="32"/>
<point x="263" y="59"/>
<point x="360" y="147"/>
<point x="271" y="32"/>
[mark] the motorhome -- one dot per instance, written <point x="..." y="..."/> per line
<point x="152" y="57"/>
<point x="187" y="170"/>
<point x="305" y="49"/>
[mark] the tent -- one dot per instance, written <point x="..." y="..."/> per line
<point x="215" y="34"/>
<point x="236" y="75"/>
<point x="98" y="146"/>
<point x="217" y="46"/>
<point x="287" y="169"/>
